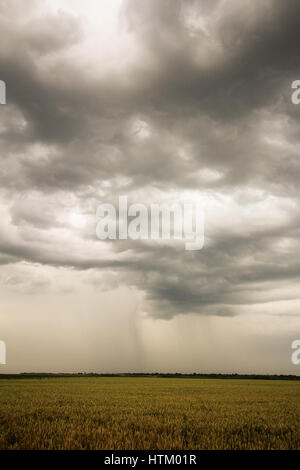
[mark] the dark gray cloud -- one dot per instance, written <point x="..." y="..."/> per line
<point x="203" y="105"/>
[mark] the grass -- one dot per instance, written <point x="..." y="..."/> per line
<point x="149" y="413"/>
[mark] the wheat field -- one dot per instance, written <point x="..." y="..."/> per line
<point x="148" y="413"/>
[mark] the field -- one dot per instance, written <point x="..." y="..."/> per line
<point x="149" y="413"/>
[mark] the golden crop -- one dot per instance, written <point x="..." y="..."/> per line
<point x="149" y="413"/>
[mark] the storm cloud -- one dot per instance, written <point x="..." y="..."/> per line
<point x="187" y="98"/>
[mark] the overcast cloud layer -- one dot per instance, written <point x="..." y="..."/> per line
<point x="160" y="100"/>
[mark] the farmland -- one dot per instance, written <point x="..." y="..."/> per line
<point x="149" y="413"/>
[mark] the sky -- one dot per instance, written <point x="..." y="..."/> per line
<point x="160" y="100"/>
